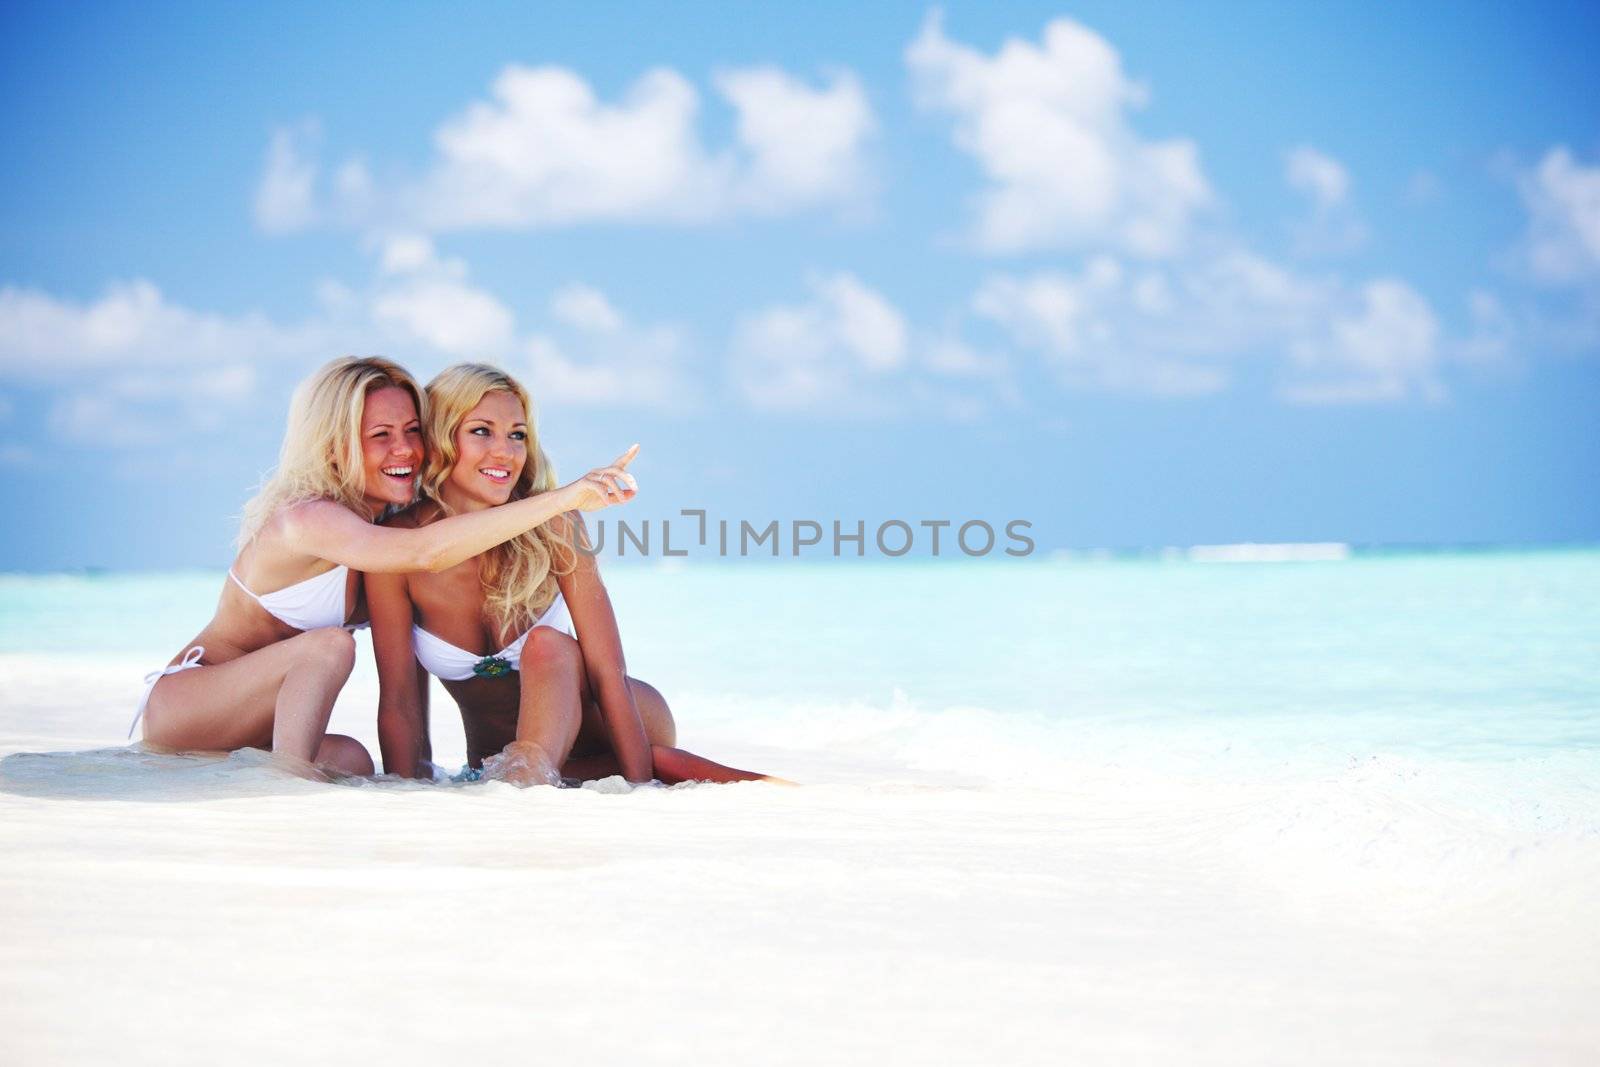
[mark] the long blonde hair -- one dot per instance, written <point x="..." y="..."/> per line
<point x="321" y="456"/>
<point x="519" y="576"/>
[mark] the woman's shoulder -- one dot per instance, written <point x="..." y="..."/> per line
<point x="306" y="509"/>
<point x="278" y="543"/>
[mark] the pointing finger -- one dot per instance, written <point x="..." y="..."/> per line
<point x="620" y="476"/>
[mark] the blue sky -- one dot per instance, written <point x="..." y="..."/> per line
<point x="1143" y="276"/>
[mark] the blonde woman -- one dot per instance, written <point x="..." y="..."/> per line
<point x="523" y="636"/>
<point x="265" y="670"/>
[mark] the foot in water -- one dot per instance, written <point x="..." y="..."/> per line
<point x="522" y="763"/>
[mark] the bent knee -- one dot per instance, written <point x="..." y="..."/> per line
<point x="345" y="754"/>
<point x="654" y="713"/>
<point x="547" y="647"/>
<point x="330" y="647"/>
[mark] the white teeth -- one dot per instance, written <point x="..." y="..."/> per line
<point x="494" y="472"/>
<point x="398" y="472"/>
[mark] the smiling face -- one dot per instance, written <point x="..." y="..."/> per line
<point x="491" y="451"/>
<point x="391" y="447"/>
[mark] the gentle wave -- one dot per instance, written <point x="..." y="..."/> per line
<point x="1312" y="552"/>
<point x="1544" y="789"/>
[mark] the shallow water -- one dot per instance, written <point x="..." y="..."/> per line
<point x="1111" y="811"/>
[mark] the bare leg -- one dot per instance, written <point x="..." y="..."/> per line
<point x="425" y="745"/>
<point x="548" y="714"/>
<point x="305" y="700"/>
<point x="672" y="765"/>
<point x="659" y="725"/>
<point x="345" y="755"/>
<point x="279" y="696"/>
<point x="558" y="711"/>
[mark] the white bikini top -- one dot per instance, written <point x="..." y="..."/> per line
<point x="308" y="605"/>
<point x="444" y="660"/>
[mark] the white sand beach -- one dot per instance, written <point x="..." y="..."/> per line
<point x="950" y="886"/>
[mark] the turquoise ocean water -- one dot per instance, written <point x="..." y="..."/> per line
<point x="1487" y="655"/>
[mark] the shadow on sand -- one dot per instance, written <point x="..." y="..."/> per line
<point x="137" y="773"/>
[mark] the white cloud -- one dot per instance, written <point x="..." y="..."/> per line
<point x="1048" y="124"/>
<point x="829" y="351"/>
<point x="1053" y="311"/>
<point x="137" y="368"/>
<point x="1098" y="328"/>
<point x="585" y="308"/>
<point x="448" y="315"/>
<point x="544" y="150"/>
<point x="234" y="381"/>
<point x="1562" y="197"/>
<point x="592" y="355"/>
<point x="131" y="328"/>
<point x="804" y="144"/>
<point x="952" y="356"/>
<point x="588" y="353"/>
<point x="286" y="197"/>
<point x="1385" y="348"/>
<point x="1491" y="331"/>
<point x="1162" y="329"/>
<point x="1238" y="301"/>
<point x="1332" y="226"/>
<point x="848" y="351"/>
<point x="143" y="370"/>
<point x="406" y="254"/>
<point x="105" y="417"/>
<point x="1185" y="329"/>
<point x="866" y="325"/>
<point x="1319" y="176"/>
<point x="428" y="299"/>
<point x="1156" y="306"/>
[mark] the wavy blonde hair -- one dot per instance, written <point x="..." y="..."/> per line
<point x="321" y="455"/>
<point x="519" y="576"/>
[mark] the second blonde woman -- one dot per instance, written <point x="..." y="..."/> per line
<point x="524" y="636"/>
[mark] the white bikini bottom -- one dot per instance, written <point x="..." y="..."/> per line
<point x="190" y="659"/>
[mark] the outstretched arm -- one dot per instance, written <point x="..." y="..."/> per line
<point x="596" y="623"/>
<point x="402" y="717"/>
<point x="327" y="530"/>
